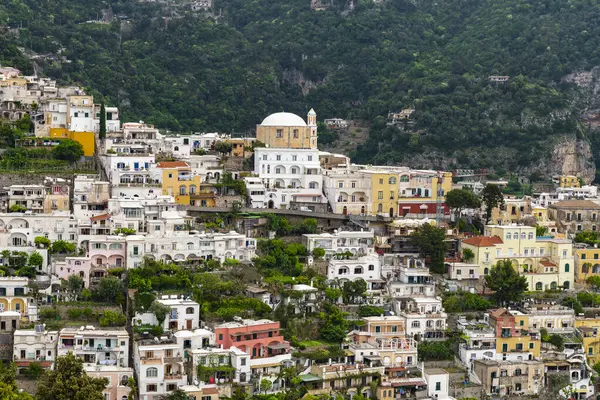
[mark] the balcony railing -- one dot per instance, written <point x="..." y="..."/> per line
<point x="175" y="359"/>
<point x="173" y="376"/>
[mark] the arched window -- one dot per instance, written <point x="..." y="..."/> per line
<point x="294" y="170"/>
<point x="486" y="271"/>
<point x="566" y="285"/>
<point x="416" y="324"/>
<point x="380" y="208"/>
<point x="313" y="185"/>
<point x="152" y="372"/>
<point x="192" y="189"/>
<point x="392" y="180"/>
<point x="358" y="270"/>
<point x="518" y="372"/>
<point x="404" y="178"/>
<point x="508" y="236"/>
<point x="530" y="235"/>
<point x="567" y="267"/>
<point x="182" y="190"/>
<point x="538" y="286"/>
<point x="189" y="310"/>
<point x="523" y="235"/>
<point x="190" y="246"/>
<point x="553" y="285"/>
<point x="176" y="148"/>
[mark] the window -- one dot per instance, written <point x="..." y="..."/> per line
<point x="504" y="347"/>
<point x="391" y="195"/>
<point x="340" y="184"/>
<point x="458" y="272"/>
<point x="377" y="329"/>
<point x="530" y="235"/>
<point x="295" y="133"/>
<point x="380" y="195"/>
<point x="353" y="185"/>
<point x="508" y="236"/>
<point x="522" y="322"/>
<point x="567" y="267"/>
<point x="182" y="190"/>
<point x="381" y="181"/>
<point x="371" y="268"/>
<point x="416" y="324"/>
<point x="278" y="157"/>
<point x="438" y="386"/>
<point x="531" y="345"/>
<point x="278" y="170"/>
<point x="309" y="158"/>
<point x="243" y="361"/>
<point x="517" y="387"/>
<point x="279" y="133"/>
<point x="523" y="235"/>
<point x="152" y="372"/>
<point x="189" y="310"/>
<point x="392" y="180"/>
<point x="220" y="336"/>
<point x="151" y="388"/>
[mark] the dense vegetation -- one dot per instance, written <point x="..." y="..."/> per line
<point x="184" y="71"/>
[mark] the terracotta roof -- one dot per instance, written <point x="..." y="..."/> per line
<point x="547" y="263"/>
<point x="100" y="217"/>
<point x="483" y="241"/>
<point x="498" y="313"/>
<point x="172" y="164"/>
<point x="576" y="204"/>
<point x="210" y="390"/>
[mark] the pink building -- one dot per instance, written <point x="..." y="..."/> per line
<point x="74" y="266"/>
<point x="260" y="338"/>
<point x="105" y="253"/>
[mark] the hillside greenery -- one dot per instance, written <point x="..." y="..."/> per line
<point x="227" y="71"/>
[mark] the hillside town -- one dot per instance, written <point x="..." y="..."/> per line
<point x="212" y="266"/>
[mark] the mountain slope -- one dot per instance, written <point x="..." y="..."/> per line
<point x="185" y="71"/>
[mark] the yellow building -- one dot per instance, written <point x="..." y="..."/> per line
<point x="588" y="328"/>
<point x="512" y="334"/>
<point x="587" y="263"/>
<point x="14" y="295"/>
<point x="546" y="262"/>
<point x="514" y="210"/>
<point x="287" y="130"/>
<point x="384" y="192"/>
<point x="241" y="147"/>
<point x="568" y="181"/>
<point x="13" y="82"/>
<point x="85" y="138"/>
<point x="178" y="181"/>
<point x="418" y="191"/>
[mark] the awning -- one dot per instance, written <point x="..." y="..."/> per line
<point x="372" y="358"/>
<point x="278" y="346"/>
<point x="309" y="378"/>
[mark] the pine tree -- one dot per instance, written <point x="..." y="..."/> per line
<point x="102" y="121"/>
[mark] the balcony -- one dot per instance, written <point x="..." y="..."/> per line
<point x="173" y="377"/>
<point x="176" y="359"/>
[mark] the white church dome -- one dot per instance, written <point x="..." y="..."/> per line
<point x="283" y="119"/>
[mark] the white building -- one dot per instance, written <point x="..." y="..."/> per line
<point x="233" y="357"/>
<point x="159" y="367"/>
<point x="438" y="383"/>
<point x="411" y="281"/>
<point x="289" y="175"/>
<point x="90" y="196"/>
<point x="184" y="315"/>
<point x="425" y="317"/>
<point x="197" y="339"/>
<point x="181" y="245"/>
<point x="480" y="342"/>
<point x="367" y="268"/>
<point x="554" y="318"/>
<point x="256" y="192"/>
<point x="95" y="346"/>
<point x="34" y="345"/>
<point x="355" y="242"/>
<point x="127" y="169"/>
<point x="113" y="124"/>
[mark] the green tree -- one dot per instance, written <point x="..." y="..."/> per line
<point x="112" y="318"/>
<point x="160" y="311"/>
<point x="35" y="370"/>
<point x="354" y="291"/>
<point x="431" y="242"/>
<point x="540" y="230"/>
<point x="223" y="147"/>
<point x="507" y="284"/>
<point x="68" y="150"/>
<point x="62" y="247"/>
<point x="42" y="242"/>
<point x="109" y="290"/>
<point x="102" y="130"/>
<point x="133" y="393"/>
<point x="17" y="208"/>
<point x="587" y="237"/>
<point x="36" y="259"/>
<point x="318" y="253"/>
<point x="468" y="255"/>
<point x="125" y="231"/>
<point x="492" y="197"/>
<point x="74" y="285"/>
<point x="265" y="385"/>
<point x="68" y="381"/>
<point x="460" y="199"/>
